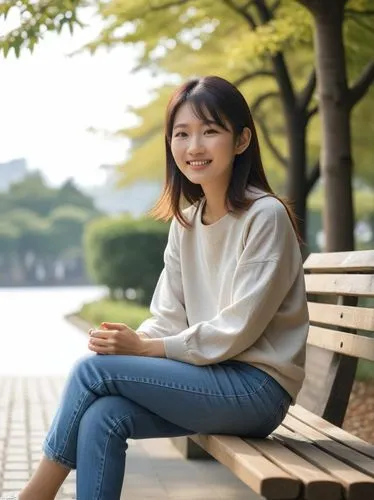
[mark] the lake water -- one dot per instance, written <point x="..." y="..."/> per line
<point x="35" y="339"/>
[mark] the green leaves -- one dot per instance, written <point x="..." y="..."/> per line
<point x="36" y="18"/>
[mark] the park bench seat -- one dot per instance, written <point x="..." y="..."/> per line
<point x="307" y="456"/>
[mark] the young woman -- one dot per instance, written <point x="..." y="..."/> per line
<point x="224" y="349"/>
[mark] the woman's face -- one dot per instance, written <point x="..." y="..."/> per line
<point x="204" y="152"/>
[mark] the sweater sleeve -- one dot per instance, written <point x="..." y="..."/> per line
<point x="264" y="274"/>
<point x="167" y="305"/>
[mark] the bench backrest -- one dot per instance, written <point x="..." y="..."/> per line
<point x="338" y="284"/>
<point x="339" y="276"/>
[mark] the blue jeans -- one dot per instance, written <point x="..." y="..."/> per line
<point x="108" y="399"/>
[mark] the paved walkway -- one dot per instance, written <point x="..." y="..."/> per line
<point x="32" y="372"/>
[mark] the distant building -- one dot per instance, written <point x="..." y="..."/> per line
<point x="11" y="172"/>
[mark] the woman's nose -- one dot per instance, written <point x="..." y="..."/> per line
<point x="196" y="145"/>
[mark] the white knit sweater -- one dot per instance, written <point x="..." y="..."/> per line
<point x="234" y="289"/>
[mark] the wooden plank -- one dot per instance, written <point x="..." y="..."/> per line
<point x="360" y="318"/>
<point x="332" y="431"/>
<point x="317" y="484"/>
<point x="360" y="285"/>
<point x="249" y="465"/>
<point x="361" y="260"/>
<point x="338" y="450"/>
<point x="341" y="342"/>
<point x="356" y="484"/>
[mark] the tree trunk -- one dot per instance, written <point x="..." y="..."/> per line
<point x="296" y="172"/>
<point x="336" y="159"/>
<point x="331" y="373"/>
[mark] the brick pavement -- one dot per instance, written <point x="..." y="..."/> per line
<point x="155" y="470"/>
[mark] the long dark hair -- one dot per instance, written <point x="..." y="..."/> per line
<point x="214" y="98"/>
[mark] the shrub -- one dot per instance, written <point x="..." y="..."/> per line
<point x="124" y="253"/>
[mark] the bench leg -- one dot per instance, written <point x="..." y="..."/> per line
<point x="189" y="449"/>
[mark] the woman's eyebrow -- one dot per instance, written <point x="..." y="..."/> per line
<point x="184" y="125"/>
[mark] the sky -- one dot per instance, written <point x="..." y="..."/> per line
<point x="49" y="100"/>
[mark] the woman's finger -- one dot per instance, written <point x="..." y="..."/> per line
<point x="99" y="349"/>
<point x="99" y="342"/>
<point x="102" y="334"/>
<point x="113" y="326"/>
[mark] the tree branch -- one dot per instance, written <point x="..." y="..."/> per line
<point x="254" y="108"/>
<point x="243" y="12"/>
<point x="307" y="92"/>
<point x="275" y="6"/>
<point x="280" y="67"/>
<point x="260" y="99"/>
<point x="362" y="23"/>
<point x="250" y="76"/>
<point x="311" y="113"/>
<point x="313" y="178"/>
<point x="278" y="155"/>
<point x="247" y="5"/>
<point x="167" y="5"/>
<point x="359" y="12"/>
<point x="362" y="84"/>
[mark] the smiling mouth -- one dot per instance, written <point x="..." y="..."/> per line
<point x="199" y="163"/>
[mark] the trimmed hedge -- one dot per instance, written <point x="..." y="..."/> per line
<point x="124" y="253"/>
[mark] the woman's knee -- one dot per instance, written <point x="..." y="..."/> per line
<point x="108" y="414"/>
<point x="84" y="367"/>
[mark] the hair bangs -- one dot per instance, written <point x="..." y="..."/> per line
<point x="206" y="107"/>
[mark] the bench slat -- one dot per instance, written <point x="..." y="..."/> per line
<point x="338" y="450"/>
<point x="264" y="477"/>
<point x="357" y="485"/>
<point x="360" y="318"/>
<point x="361" y="260"/>
<point x="360" y="285"/>
<point x="341" y="342"/>
<point x="317" y="484"/>
<point x="331" y="430"/>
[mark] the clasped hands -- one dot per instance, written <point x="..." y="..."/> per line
<point x="118" y="338"/>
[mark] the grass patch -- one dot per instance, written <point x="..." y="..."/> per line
<point x="119" y="311"/>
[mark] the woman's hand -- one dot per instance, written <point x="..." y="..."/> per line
<point x="116" y="338"/>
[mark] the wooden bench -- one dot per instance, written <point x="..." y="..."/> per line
<point x="308" y="457"/>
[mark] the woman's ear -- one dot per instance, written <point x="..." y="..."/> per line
<point x="243" y="141"/>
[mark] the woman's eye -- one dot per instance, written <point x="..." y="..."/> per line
<point x="211" y="131"/>
<point x="180" y="134"/>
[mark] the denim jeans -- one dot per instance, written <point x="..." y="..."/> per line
<point x="108" y="399"/>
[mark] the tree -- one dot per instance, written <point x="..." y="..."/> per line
<point x="42" y="225"/>
<point x="69" y="194"/>
<point x="251" y="41"/>
<point x="32" y="194"/>
<point x="336" y="102"/>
